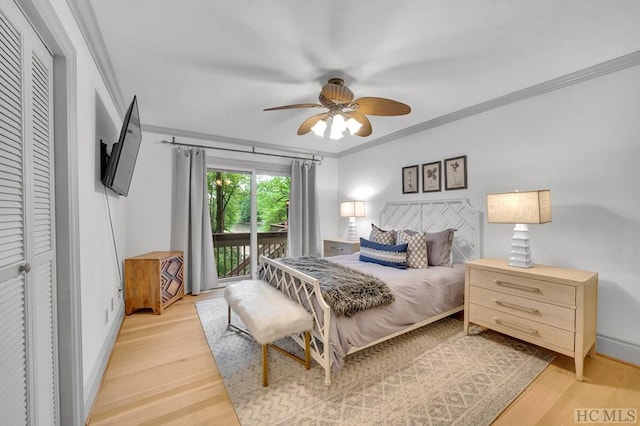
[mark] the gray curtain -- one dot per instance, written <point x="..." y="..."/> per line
<point x="190" y="221"/>
<point x="303" y="237"/>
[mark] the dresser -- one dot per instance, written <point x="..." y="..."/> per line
<point x="153" y="280"/>
<point x="338" y="247"/>
<point x="545" y="305"/>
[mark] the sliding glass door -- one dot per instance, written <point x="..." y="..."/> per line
<point x="249" y="212"/>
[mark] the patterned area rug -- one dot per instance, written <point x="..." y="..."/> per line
<point x="434" y="375"/>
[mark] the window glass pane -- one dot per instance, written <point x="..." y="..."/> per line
<point x="230" y="211"/>
<point x="273" y="211"/>
<point x="229" y="194"/>
<point x="273" y="202"/>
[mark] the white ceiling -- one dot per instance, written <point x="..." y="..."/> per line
<point x="209" y="67"/>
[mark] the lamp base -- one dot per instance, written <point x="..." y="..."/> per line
<point x="520" y="248"/>
<point x="352" y="230"/>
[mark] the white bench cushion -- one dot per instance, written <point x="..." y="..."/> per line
<point x="267" y="313"/>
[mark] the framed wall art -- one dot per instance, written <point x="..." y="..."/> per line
<point x="455" y="173"/>
<point x="410" y="179"/>
<point x="431" y="174"/>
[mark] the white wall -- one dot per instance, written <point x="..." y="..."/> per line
<point x="582" y="142"/>
<point x="149" y="201"/>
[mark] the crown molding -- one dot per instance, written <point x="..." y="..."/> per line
<point x="598" y="70"/>
<point x="230" y="140"/>
<point x="86" y="20"/>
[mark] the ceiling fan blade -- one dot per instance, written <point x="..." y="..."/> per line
<point x="380" y="106"/>
<point x="310" y="122"/>
<point x="337" y="92"/>
<point x="365" y="130"/>
<point x="294" y="106"/>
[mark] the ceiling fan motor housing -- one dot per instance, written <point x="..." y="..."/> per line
<point x="337" y="92"/>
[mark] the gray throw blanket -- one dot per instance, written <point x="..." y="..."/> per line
<point x="346" y="290"/>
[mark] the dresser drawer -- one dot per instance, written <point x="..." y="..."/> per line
<point x="522" y="286"/>
<point x="336" y="248"/>
<point x="535" y="310"/>
<point x="521" y="328"/>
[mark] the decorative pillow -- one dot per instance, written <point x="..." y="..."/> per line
<point x="439" y="247"/>
<point x="416" y="248"/>
<point x="381" y="236"/>
<point x="384" y="254"/>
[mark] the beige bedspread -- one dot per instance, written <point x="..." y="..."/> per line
<point x="419" y="294"/>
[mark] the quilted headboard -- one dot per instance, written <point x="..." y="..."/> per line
<point x="436" y="215"/>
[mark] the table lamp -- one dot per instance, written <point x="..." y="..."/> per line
<point x="352" y="209"/>
<point x="520" y="208"/>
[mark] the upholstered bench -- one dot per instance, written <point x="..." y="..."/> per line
<point x="268" y="315"/>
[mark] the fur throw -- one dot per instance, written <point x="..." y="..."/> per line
<point x="346" y="290"/>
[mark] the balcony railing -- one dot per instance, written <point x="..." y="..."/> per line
<point x="232" y="251"/>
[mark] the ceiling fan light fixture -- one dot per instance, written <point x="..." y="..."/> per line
<point x="353" y="125"/>
<point x="338" y="126"/>
<point x="344" y="112"/>
<point x="319" y="128"/>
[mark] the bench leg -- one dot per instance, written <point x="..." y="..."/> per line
<point x="228" y="314"/>
<point x="265" y="366"/>
<point x="307" y="350"/>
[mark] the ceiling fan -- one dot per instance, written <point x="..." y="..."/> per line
<point x="344" y="113"/>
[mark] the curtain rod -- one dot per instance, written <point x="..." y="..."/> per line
<point x="314" y="158"/>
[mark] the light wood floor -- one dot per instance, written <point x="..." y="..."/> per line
<point x="162" y="372"/>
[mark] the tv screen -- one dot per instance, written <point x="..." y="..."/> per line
<point x="123" y="156"/>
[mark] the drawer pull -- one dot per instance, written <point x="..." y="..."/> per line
<point x="337" y="248"/>
<point x="517" y="286"/>
<point x="517" y="307"/>
<point x="528" y="330"/>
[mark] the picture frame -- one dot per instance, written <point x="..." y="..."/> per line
<point x="410" y="179"/>
<point x="455" y="173"/>
<point x="431" y="177"/>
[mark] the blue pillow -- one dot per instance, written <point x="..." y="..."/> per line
<point x="383" y="254"/>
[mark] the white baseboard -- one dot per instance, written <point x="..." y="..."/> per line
<point x="95" y="378"/>
<point x="618" y="349"/>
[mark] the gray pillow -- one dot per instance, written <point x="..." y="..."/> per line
<point x="439" y="247"/>
<point x="381" y="236"/>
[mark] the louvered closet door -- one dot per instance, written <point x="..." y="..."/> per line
<point x="27" y="296"/>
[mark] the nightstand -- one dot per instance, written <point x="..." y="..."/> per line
<point x="338" y="247"/>
<point x="544" y="305"/>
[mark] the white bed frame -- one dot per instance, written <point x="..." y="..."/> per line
<point x="430" y="216"/>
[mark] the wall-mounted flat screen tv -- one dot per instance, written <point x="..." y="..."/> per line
<point x="122" y="160"/>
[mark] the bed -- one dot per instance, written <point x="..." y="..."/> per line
<point x="422" y="296"/>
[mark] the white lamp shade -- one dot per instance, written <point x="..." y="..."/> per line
<point x="338" y="125"/>
<point x="352" y="209"/>
<point x="519" y="207"/>
<point x="353" y="125"/>
<point x="319" y="128"/>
